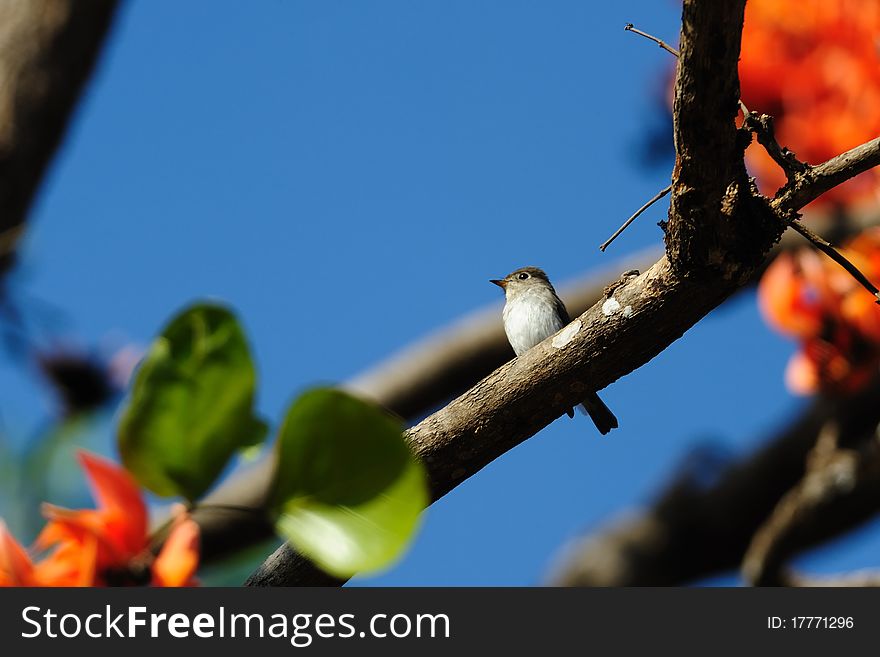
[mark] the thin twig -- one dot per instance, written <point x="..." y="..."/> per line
<point x="826" y="247"/>
<point x="763" y="128"/>
<point x="663" y="192"/>
<point x="629" y="28"/>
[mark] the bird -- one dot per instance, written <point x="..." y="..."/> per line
<point x="532" y="312"/>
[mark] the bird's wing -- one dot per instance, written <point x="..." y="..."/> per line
<point x="561" y="311"/>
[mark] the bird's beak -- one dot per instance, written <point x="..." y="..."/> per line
<point x="502" y="283"/>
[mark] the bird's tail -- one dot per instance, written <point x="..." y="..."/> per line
<point x="599" y="413"/>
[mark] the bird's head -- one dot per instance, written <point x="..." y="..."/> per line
<point x="523" y="279"/>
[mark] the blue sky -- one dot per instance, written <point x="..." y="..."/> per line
<point x="348" y="175"/>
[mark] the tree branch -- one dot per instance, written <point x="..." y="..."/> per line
<point x="762" y="126"/>
<point x="810" y="184"/>
<point x="410" y="383"/>
<point x="709" y="175"/>
<point x="432" y="371"/>
<point x="47" y="51"/>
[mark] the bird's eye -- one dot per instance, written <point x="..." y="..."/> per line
<point x="523" y="276"/>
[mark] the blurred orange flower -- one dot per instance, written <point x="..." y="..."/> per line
<point x="107" y="546"/>
<point x="815" y="66"/>
<point x="810" y="297"/>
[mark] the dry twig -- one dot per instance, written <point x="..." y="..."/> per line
<point x="659" y="195"/>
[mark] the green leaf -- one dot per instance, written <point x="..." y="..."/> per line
<point x="191" y="405"/>
<point x="348" y="491"/>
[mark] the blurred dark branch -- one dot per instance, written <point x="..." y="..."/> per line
<point x="839" y="490"/>
<point x="48" y="49"/>
<point x="709" y="182"/>
<point x="863" y="578"/>
<point x="693" y="531"/>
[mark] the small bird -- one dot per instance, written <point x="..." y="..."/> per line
<point x="533" y="312"/>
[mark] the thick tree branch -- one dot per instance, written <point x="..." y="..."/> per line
<point x="47" y="51"/>
<point x="432" y="371"/>
<point x="453" y="453"/>
<point x="523" y="396"/>
<point x="410" y="383"/>
<point x="708" y="155"/>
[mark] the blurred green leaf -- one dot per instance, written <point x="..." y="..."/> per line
<point x="191" y="404"/>
<point x="348" y="490"/>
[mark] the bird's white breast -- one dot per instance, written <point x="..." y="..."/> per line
<point x="529" y="318"/>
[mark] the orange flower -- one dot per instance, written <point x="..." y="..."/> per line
<point x="809" y="297"/>
<point x="16" y="568"/>
<point x="814" y="65"/>
<point x="104" y="546"/>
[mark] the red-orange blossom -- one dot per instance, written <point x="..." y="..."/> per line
<point x="105" y="546"/>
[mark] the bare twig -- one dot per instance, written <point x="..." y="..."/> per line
<point x="417" y="379"/>
<point x="762" y="126"/>
<point x="629" y="28"/>
<point x="825" y="247"/>
<point x="659" y="195"/>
